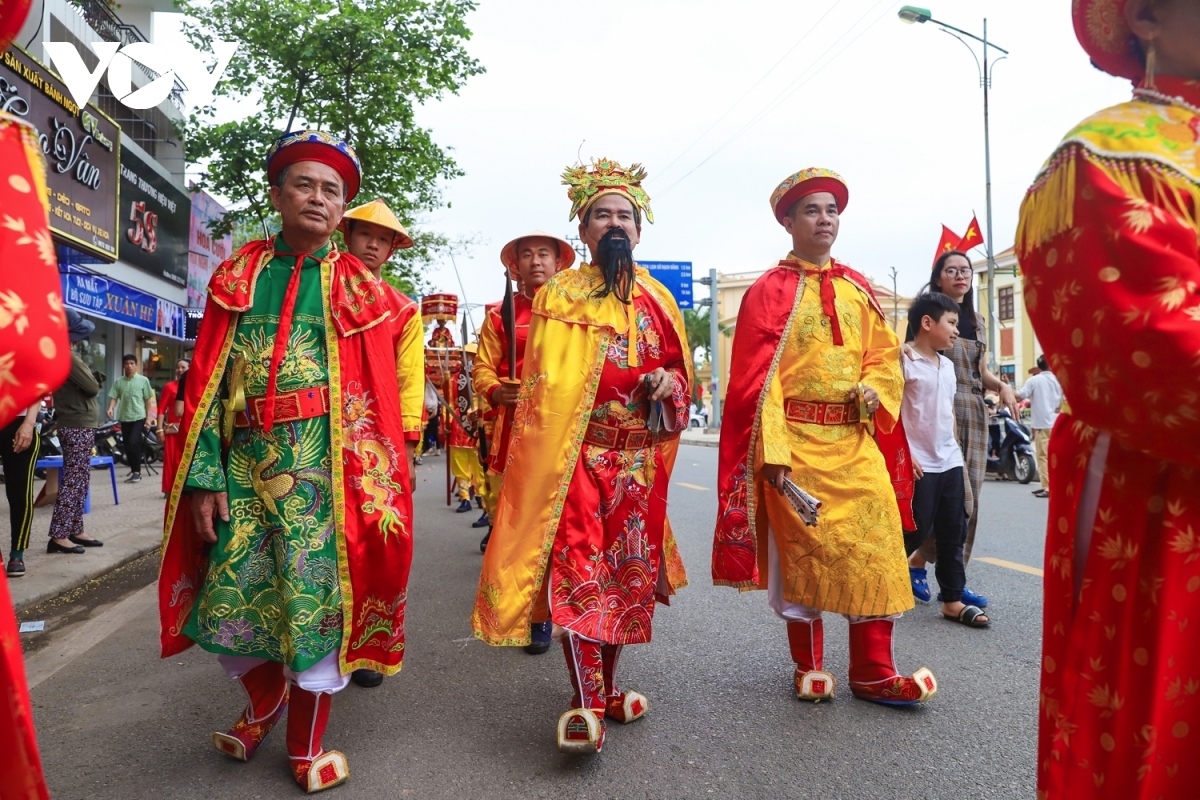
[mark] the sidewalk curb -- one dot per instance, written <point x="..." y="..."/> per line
<point x="47" y="593"/>
<point x="698" y="442"/>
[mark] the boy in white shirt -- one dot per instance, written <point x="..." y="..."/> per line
<point x="928" y="414"/>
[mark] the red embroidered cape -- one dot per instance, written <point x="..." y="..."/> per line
<point x="372" y="522"/>
<point x="755" y="342"/>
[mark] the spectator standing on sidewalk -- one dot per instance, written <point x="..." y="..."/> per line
<point x="1045" y="397"/>
<point x="128" y="403"/>
<point x="76" y="406"/>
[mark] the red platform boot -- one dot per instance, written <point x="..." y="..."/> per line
<point x="807" y="643"/>
<point x="623" y="706"/>
<point x="581" y="729"/>
<point x="873" y="674"/>
<point x="267" y="696"/>
<point x="314" y="768"/>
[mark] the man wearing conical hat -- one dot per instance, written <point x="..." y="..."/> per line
<point x="289" y="526"/>
<point x="814" y="369"/>
<point x="1107" y="243"/>
<point x="373" y="234"/>
<point x="582" y="538"/>
<point x="530" y="260"/>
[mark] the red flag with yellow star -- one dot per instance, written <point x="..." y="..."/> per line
<point x="972" y="238"/>
<point x="950" y="241"/>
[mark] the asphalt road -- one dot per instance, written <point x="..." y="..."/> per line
<point x="464" y="720"/>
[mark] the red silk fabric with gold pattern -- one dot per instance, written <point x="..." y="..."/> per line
<point x="1113" y="292"/>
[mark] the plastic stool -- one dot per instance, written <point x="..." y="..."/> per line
<point x="56" y="462"/>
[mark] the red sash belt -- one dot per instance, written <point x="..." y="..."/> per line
<point x="613" y="438"/>
<point x="289" y="407"/>
<point x="817" y="413"/>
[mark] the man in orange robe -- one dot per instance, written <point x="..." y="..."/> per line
<point x="530" y="260"/>
<point x="814" y="369"/>
<point x="1108" y="245"/>
<point x="581" y="535"/>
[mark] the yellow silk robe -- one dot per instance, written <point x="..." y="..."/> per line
<point x="569" y="337"/>
<point x="853" y="562"/>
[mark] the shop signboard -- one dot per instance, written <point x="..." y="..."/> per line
<point x="155" y="217"/>
<point x="82" y="147"/>
<point x="205" y="251"/>
<point x="100" y="296"/>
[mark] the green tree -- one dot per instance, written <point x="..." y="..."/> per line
<point x="353" y="68"/>
<point x="698" y="330"/>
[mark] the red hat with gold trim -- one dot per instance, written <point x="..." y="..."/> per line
<point x="806" y="182"/>
<point x="586" y="185"/>
<point x="297" y="146"/>
<point x="442" y="307"/>
<point x="1101" y="28"/>
<point x="377" y="213"/>
<point x="508" y="254"/>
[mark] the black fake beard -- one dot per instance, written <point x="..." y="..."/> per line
<point x="614" y="257"/>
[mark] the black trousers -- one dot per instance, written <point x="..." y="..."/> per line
<point x="939" y="505"/>
<point x="132" y="433"/>
<point x="18" y="482"/>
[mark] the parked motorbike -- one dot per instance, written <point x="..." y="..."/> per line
<point x="48" y="431"/>
<point x="109" y="441"/>
<point x="1014" y="459"/>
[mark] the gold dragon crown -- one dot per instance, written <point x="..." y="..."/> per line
<point x="587" y="185"/>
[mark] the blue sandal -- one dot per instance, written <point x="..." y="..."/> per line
<point x="920" y="584"/>
<point x="968" y="597"/>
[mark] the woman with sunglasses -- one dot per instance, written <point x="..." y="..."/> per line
<point x="953" y="276"/>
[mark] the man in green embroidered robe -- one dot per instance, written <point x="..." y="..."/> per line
<point x="289" y="529"/>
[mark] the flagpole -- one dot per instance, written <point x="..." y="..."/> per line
<point x="992" y="344"/>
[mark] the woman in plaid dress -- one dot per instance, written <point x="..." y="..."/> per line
<point x="953" y="276"/>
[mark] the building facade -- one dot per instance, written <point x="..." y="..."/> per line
<point x="120" y="214"/>
<point x="1018" y="348"/>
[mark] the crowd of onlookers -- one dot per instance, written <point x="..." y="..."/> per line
<point x="76" y="411"/>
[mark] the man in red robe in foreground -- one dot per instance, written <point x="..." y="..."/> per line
<point x="1108" y="246"/>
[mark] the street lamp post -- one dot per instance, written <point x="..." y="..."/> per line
<point x="911" y="14"/>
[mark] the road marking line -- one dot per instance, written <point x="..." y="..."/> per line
<point x="692" y="486"/>
<point x="44" y="663"/>
<point x="999" y="562"/>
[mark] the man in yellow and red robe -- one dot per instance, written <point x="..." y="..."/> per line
<point x="813" y="350"/>
<point x="1107" y="243"/>
<point x="581" y="534"/>
<point x="373" y="234"/>
<point x="289" y="527"/>
<point x="35" y="358"/>
<point x="530" y="260"/>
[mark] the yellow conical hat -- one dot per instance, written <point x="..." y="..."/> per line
<point x="378" y="213"/>
<point x="508" y="254"/>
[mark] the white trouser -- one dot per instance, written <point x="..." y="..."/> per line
<point x="784" y="609"/>
<point x="323" y="676"/>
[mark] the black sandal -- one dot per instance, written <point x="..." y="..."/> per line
<point x="53" y="546"/>
<point x="969" y="616"/>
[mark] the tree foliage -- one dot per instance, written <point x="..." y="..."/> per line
<point x="698" y="331"/>
<point x="354" y="68"/>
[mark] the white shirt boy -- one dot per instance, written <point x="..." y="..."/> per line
<point x="928" y="412"/>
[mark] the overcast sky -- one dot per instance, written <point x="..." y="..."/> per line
<point x="721" y="101"/>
